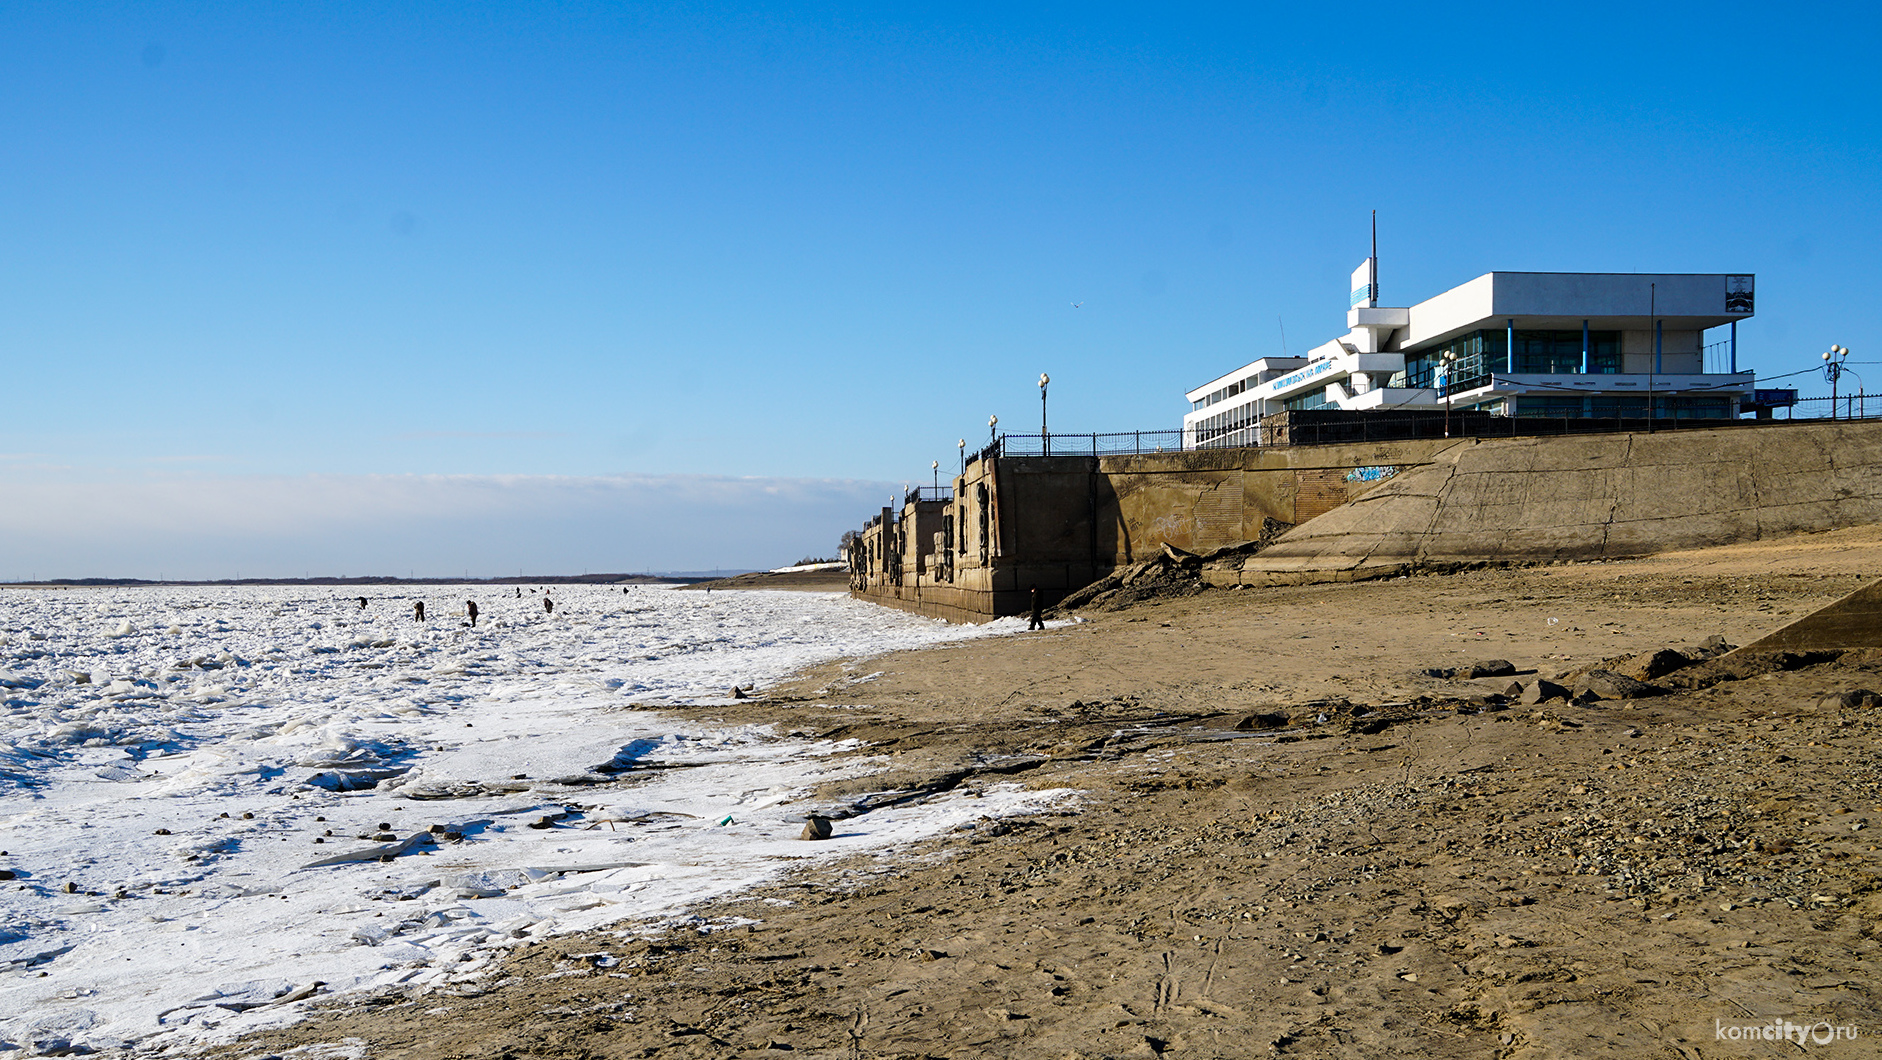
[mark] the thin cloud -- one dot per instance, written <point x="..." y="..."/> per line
<point x="217" y="526"/>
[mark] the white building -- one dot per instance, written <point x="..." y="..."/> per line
<point x="1511" y="343"/>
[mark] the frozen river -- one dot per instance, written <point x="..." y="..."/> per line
<point x="213" y="799"/>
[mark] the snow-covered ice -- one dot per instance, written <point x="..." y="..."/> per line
<point x="212" y="799"/>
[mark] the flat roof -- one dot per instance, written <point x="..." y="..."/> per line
<point x="1562" y="300"/>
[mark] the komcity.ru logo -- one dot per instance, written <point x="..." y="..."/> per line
<point x="1783" y="1030"/>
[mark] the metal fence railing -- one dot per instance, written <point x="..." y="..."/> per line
<point x="1361" y="427"/>
<point x="917" y="494"/>
<point x="1112" y="443"/>
<point x="1841" y="407"/>
<point x="1324" y="427"/>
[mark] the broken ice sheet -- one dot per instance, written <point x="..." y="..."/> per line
<point x="206" y="817"/>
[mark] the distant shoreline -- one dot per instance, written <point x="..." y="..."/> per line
<point x="814" y="581"/>
<point x="542" y="579"/>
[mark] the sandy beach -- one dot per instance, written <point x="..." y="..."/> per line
<point x="1295" y="836"/>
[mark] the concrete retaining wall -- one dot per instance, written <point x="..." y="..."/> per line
<point x="1591" y="497"/>
<point x="1365" y="509"/>
<point x="1058" y="523"/>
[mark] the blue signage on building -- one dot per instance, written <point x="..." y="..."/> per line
<point x="1299" y="377"/>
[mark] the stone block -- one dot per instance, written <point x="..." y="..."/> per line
<point x="1606" y="684"/>
<point x="1541" y="690"/>
<point x="1653" y="665"/>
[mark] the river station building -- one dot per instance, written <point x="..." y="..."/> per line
<point x="1550" y="344"/>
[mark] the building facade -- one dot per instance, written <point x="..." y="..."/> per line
<point x="1547" y="344"/>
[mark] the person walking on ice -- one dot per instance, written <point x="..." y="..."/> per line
<point x="471" y="606"/>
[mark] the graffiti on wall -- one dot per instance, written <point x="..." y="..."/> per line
<point x="1371" y="474"/>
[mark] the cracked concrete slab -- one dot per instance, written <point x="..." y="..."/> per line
<point x="1529" y="500"/>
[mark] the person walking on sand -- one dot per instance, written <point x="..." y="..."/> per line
<point x="1038" y="617"/>
<point x="418" y="611"/>
<point x="471" y="606"/>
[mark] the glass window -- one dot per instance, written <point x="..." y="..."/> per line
<point x="1467" y="369"/>
<point x="1610" y="406"/>
<point x="1313" y="399"/>
<point x="1481" y="354"/>
<point x="1568" y="406"/>
<point x="1694" y="408"/>
<point x="1604" y="352"/>
<point x="1546" y="352"/>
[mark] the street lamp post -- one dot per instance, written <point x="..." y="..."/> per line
<point x="937" y="478"/>
<point x="1045" y="437"/>
<point x="1833" y="371"/>
<point x="1444" y="372"/>
<point x="992" y="423"/>
<point x="962" y="446"/>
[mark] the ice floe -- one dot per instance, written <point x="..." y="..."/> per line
<point x="217" y="803"/>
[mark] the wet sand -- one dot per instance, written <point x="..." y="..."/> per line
<point x="1430" y="871"/>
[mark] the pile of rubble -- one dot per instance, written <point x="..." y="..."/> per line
<point x="1665" y="671"/>
<point x="1171" y="572"/>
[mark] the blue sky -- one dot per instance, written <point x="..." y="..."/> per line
<point x="483" y="287"/>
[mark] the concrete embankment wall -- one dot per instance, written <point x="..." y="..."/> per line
<point x="1058" y="523"/>
<point x="1365" y="509"/>
<point x="1591" y="497"/>
<point x="1112" y="511"/>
